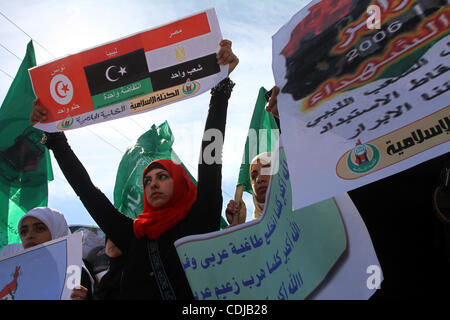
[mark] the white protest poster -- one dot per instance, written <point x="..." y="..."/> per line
<point x="138" y="73"/>
<point x="285" y="254"/>
<point x="45" y="272"/>
<point x="358" y="274"/>
<point x="364" y="91"/>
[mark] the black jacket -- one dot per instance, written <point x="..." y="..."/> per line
<point x="139" y="278"/>
<point x="108" y="288"/>
<point x="405" y="231"/>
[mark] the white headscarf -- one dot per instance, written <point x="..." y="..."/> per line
<point x="53" y="219"/>
<point x="264" y="158"/>
<point x="56" y="223"/>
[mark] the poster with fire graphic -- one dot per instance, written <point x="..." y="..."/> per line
<point x="364" y="91"/>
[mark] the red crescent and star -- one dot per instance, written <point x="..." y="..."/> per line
<point x="65" y="88"/>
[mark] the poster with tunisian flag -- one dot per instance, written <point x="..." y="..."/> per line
<point x="138" y="73"/>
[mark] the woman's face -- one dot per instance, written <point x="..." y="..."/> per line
<point x="259" y="180"/>
<point x="33" y="232"/>
<point x="158" y="187"/>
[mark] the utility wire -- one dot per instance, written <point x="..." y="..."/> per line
<point x="107" y="142"/>
<point x="137" y="123"/>
<point x="119" y="132"/>
<point x="7" y="74"/>
<point x="26" y="34"/>
<point x="10" y="52"/>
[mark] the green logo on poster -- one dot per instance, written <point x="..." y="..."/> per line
<point x="189" y="87"/>
<point x="363" y="158"/>
<point x="65" y="124"/>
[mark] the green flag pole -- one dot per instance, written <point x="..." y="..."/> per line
<point x="237" y="198"/>
<point x="25" y="167"/>
<point x="262" y="136"/>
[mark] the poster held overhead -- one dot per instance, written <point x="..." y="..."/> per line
<point x="138" y="73"/>
<point x="357" y="103"/>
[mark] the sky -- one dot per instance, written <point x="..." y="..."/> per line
<point x="61" y="28"/>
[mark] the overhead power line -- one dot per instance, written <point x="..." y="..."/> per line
<point x="7" y="74"/>
<point x="137" y="123"/>
<point x="12" y="22"/>
<point x="10" y="52"/>
<point x="119" y="132"/>
<point x="107" y="142"/>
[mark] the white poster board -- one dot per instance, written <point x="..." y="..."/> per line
<point x="45" y="272"/>
<point x="360" y="102"/>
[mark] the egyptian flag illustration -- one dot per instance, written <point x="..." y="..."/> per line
<point x="118" y="79"/>
<point x="8" y="291"/>
<point x="183" y="55"/>
<point x="316" y="50"/>
<point x="181" y="59"/>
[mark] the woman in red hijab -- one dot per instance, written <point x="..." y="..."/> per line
<point x="173" y="206"/>
<point x="169" y="194"/>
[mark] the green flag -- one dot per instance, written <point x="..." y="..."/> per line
<point x="262" y="136"/>
<point x="154" y="144"/>
<point x="25" y="167"/>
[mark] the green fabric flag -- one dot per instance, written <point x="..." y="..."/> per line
<point x="154" y="144"/>
<point x="25" y="166"/>
<point x="262" y="136"/>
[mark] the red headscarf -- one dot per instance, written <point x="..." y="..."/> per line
<point x="153" y="222"/>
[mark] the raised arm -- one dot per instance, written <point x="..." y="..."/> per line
<point x="208" y="208"/>
<point x="117" y="226"/>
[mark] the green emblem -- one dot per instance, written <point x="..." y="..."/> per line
<point x="360" y="160"/>
<point x="189" y="87"/>
<point x="66" y="123"/>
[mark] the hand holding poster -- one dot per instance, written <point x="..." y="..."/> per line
<point x="286" y="254"/>
<point x="361" y="100"/>
<point x="135" y="74"/>
<point x="45" y="272"/>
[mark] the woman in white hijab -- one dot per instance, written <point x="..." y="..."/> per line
<point x="40" y="225"/>
<point x="43" y="224"/>
<point x="259" y="177"/>
<point x="37" y="226"/>
<point x="259" y="173"/>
